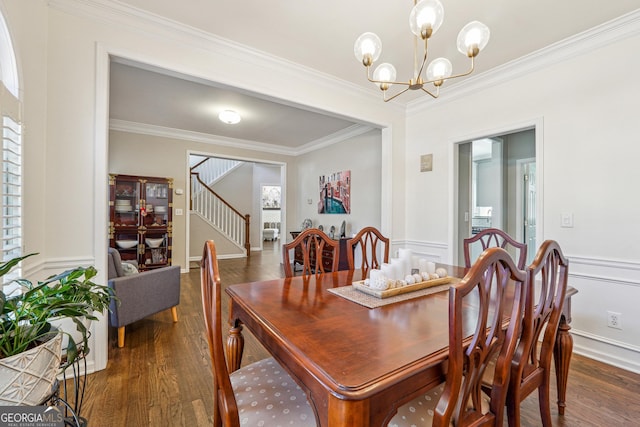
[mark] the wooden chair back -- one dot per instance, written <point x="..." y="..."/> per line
<point x="494" y="237"/>
<point x="370" y="240"/>
<point x="310" y="244"/>
<point x="225" y="406"/>
<point x="548" y="275"/>
<point x="487" y="305"/>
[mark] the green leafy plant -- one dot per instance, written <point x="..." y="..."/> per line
<point x="26" y="314"/>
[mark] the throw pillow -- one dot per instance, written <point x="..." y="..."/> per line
<point x="129" y="269"/>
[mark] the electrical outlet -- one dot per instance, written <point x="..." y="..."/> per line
<point x="614" y="320"/>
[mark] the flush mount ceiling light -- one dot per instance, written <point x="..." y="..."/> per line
<point x="229" y="117"/>
<point x="425" y="19"/>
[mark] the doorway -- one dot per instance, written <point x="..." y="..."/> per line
<point x="213" y="220"/>
<point x="497" y="188"/>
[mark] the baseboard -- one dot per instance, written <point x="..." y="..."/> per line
<point x="619" y="354"/>
<point x="227" y="256"/>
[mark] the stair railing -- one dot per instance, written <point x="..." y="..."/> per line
<point x="220" y="213"/>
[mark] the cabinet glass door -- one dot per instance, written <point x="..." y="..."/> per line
<point x="156" y="223"/>
<point x="126" y="217"/>
<point x="156" y="204"/>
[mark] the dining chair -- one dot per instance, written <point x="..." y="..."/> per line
<point x="486" y="310"/>
<point x="261" y="393"/>
<point x="494" y="237"/>
<point x="548" y="275"/>
<point x="372" y="244"/>
<point x="311" y="247"/>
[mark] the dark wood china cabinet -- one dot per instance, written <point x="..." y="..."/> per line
<point x="140" y="219"/>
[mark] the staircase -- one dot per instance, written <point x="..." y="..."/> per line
<point x="214" y="209"/>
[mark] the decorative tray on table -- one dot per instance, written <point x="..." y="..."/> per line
<point x="386" y="293"/>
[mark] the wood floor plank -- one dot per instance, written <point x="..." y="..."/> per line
<point x="162" y="377"/>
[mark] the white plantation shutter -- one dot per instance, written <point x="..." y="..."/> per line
<point x="11" y="189"/>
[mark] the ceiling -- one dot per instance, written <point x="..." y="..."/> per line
<point x="320" y="35"/>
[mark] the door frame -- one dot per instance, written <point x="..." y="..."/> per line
<point x="537" y="124"/>
<point x="520" y="198"/>
<point x="283" y="187"/>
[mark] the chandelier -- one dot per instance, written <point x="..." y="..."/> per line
<point x="425" y="19"/>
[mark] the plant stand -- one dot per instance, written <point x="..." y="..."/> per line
<point x="73" y="394"/>
<point x="71" y="397"/>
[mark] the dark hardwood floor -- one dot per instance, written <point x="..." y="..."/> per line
<point x="162" y="377"/>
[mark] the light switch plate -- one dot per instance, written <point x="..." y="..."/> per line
<point x="178" y="211"/>
<point x="567" y="220"/>
<point x="426" y="163"/>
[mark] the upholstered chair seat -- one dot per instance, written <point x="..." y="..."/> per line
<point x="267" y="396"/>
<point x="490" y="301"/>
<point x="419" y="411"/>
<point x="260" y="394"/>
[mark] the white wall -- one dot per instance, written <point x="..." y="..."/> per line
<point x="362" y="155"/>
<point x="588" y="163"/>
<point x="28" y="29"/>
<point x="65" y="46"/>
<point x="156" y="155"/>
<point x="589" y="157"/>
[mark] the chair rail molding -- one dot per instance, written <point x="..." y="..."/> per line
<point x="433" y="251"/>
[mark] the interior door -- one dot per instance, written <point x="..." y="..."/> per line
<point x="530" y="208"/>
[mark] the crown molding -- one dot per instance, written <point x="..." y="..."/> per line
<point x="165" y="132"/>
<point x="610" y="32"/>
<point x="116" y="13"/>
<point x="336" y="137"/>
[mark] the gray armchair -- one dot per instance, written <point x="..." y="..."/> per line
<point x="142" y="294"/>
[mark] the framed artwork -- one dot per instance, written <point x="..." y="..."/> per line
<point x="426" y="163"/>
<point x="270" y="197"/>
<point x="335" y="193"/>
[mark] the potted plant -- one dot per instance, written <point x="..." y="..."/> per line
<point x="25" y="326"/>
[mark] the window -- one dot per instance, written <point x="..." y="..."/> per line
<point x="11" y="188"/>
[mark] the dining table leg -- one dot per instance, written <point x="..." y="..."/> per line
<point x="348" y="413"/>
<point x="562" y="357"/>
<point x="235" y="347"/>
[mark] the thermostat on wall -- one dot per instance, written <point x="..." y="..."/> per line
<point x="179" y="191"/>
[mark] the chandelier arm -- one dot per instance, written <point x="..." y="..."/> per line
<point x="432" y="95"/>
<point x="385" y="99"/>
<point x="388" y="82"/>
<point x="384" y="81"/>
<point x="456" y="75"/>
<point x="424" y="58"/>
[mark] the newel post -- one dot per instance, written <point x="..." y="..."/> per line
<point x="247" y="239"/>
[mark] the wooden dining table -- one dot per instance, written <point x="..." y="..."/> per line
<point x="356" y="364"/>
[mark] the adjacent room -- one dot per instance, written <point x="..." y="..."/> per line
<point x="390" y="211"/>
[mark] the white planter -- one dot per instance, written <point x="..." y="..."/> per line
<point x="27" y="378"/>
<point x="66" y="324"/>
